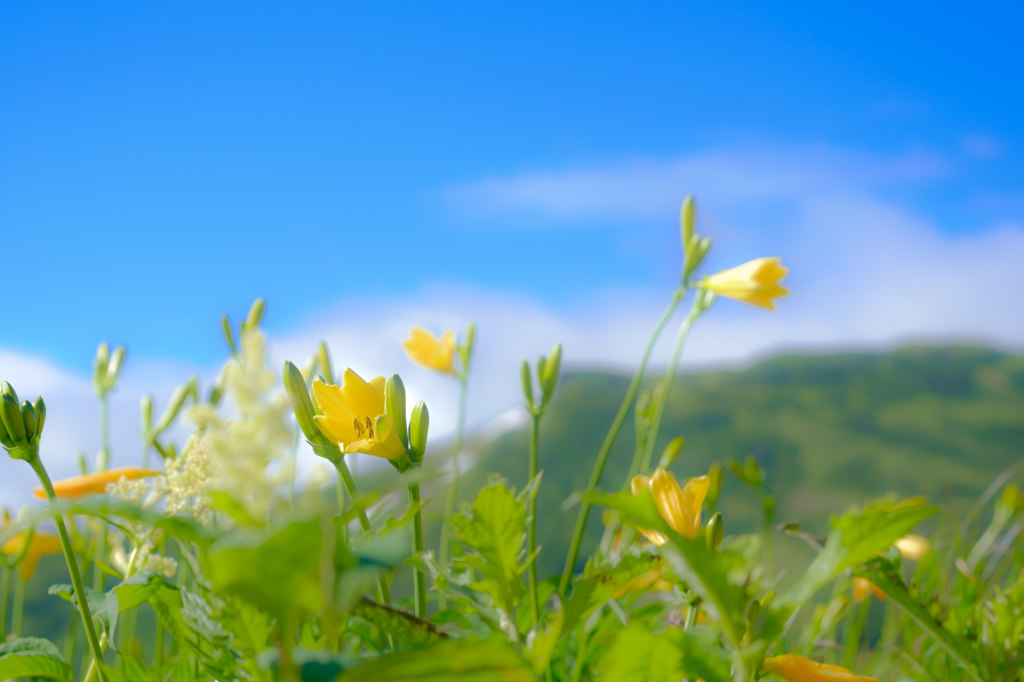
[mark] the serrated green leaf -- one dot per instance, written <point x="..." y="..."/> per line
<point x="639" y="655"/>
<point x="857" y="536"/>
<point x="403" y="626"/>
<point x="462" y="660"/>
<point x="703" y="658"/>
<point x="33" y="657"/>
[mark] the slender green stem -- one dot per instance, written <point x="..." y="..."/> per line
<point x="102" y="461"/>
<point x="609" y="441"/>
<point x="453" y="489"/>
<point x="532" y="531"/>
<point x="700" y="304"/>
<point x="854" y="628"/>
<point x="5" y="597"/>
<point x="419" y="585"/>
<point x="383" y="593"/>
<point x="19" y="606"/>
<point x="76" y="577"/>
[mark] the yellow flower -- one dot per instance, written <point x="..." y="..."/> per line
<point x="425" y="349"/>
<point x="41" y="545"/>
<point x="354" y="417"/>
<point x="680" y="507"/>
<point x="756" y="282"/>
<point x="862" y="587"/>
<point x="799" y="669"/>
<point x="913" y="547"/>
<point x="96" y="483"/>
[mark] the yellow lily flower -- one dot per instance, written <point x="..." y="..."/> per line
<point x="427" y="350"/>
<point x="42" y="544"/>
<point x="93" y="484"/>
<point x="799" y="669"/>
<point x="680" y="507"/>
<point x="354" y="416"/>
<point x="913" y="547"/>
<point x="862" y="587"/>
<point x="755" y="282"/>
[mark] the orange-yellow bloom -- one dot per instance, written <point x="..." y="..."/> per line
<point x="913" y="547"/>
<point x="93" y="484"/>
<point x="799" y="669"/>
<point x="755" y="282"/>
<point x="862" y="587"/>
<point x="354" y="416"/>
<point x="425" y="349"/>
<point x="680" y="507"/>
<point x="41" y="545"/>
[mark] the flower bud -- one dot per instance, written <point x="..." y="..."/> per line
<point x="753" y="611"/>
<point x="114" y="366"/>
<point x="753" y="473"/>
<point x="173" y="408"/>
<point x="259" y="306"/>
<point x="418" y="427"/>
<point x="10" y="413"/>
<point x="5" y="437"/>
<point x="100" y="364"/>
<point x="323" y="358"/>
<point x="524" y="374"/>
<point x="466" y="349"/>
<point x="394" y="405"/>
<point x="229" y="334"/>
<point x="40" y="408"/>
<point x="715" y="489"/>
<point x="302" y="405"/>
<point x="687" y="217"/>
<point x="548" y="374"/>
<point x="713" y="533"/>
<point x="672" y="451"/>
<point x="28" y="418"/>
<point x="146" y="412"/>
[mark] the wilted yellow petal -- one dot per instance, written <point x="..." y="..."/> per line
<point x="799" y="669"/>
<point x="93" y="484"/>
<point x="427" y="350"/>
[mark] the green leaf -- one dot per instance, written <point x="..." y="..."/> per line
<point x="703" y="658"/>
<point x="639" y="655"/>
<point x="126" y="595"/>
<point x="495" y="529"/>
<point x="857" y="536"/>
<point x="32" y="657"/>
<point x="464" y="660"/>
<point x="403" y="626"/>
<point x="541" y="642"/>
<point x="887" y="578"/>
<point x="276" y="570"/>
<point x="598" y="585"/>
<point x="717" y="577"/>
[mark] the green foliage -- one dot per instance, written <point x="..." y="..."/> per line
<point x="457" y="661"/>
<point x="33" y="657"/>
<point x="639" y="655"/>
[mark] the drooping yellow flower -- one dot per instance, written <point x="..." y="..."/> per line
<point x="680" y="507"/>
<point x="862" y="587"/>
<point x="354" y="416"/>
<point x="799" y="669"/>
<point x="755" y="282"/>
<point x="93" y="484"/>
<point x="42" y="544"/>
<point x="425" y="349"/>
<point x="913" y="547"/>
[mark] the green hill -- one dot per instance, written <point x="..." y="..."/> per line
<point x="829" y="429"/>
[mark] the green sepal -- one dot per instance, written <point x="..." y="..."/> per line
<point x="524" y="374"/>
<point x="298" y="395"/>
<point x="549" y="372"/>
<point x="10" y="412"/>
<point x="394" y="405"/>
<point x="28" y="418"/>
<point x="418" y="427"/>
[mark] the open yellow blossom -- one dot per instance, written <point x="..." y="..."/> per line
<point x="41" y="545"/>
<point x="755" y="282"/>
<point x="425" y="349"/>
<point x="354" y="416"/>
<point x="799" y="669"/>
<point x="913" y="547"/>
<point x="680" y="507"/>
<point x="93" y="484"/>
<point x="862" y="587"/>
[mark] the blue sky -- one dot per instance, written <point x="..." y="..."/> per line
<point x="167" y="162"/>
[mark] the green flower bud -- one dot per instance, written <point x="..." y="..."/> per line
<point x="715" y="487"/>
<point x="10" y="412"/>
<point x="754" y="474"/>
<point x="173" y="408"/>
<point x="753" y="611"/>
<point x="5" y="437"/>
<point x="229" y="334"/>
<point x="114" y="367"/>
<point x="146" y="412"/>
<point x="323" y="358"/>
<point x="302" y="404"/>
<point x="99" y="368"/>
<point x="418" y="427"/>
<point x="672" y="451"/>
<point x="28" y="418"/>
<point x="466" y="347"/>
<point x="548" y="376"/>
<point x="259" y="306"/>
<point x="713" y="533"/>
<point x="769" y="506"/>
<point x="687" y="217"/>
<point x="394" y="405"/>
<point x="736" y="468"/>
<point x="40" y="408"/>
<point x="524" y="374"/>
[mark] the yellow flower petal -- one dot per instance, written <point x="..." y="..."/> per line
<point x="862" y="587"/>
<point x="913" y="547"/>
<point x="353" y="414"/>
<point x="431" y="352"/>
<point x="680" y="507"/>
<point x="799" y="669"/>
<point x="90" y="484"/>
<point x="755" y="282"/>
<point x="42" y="544"/>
